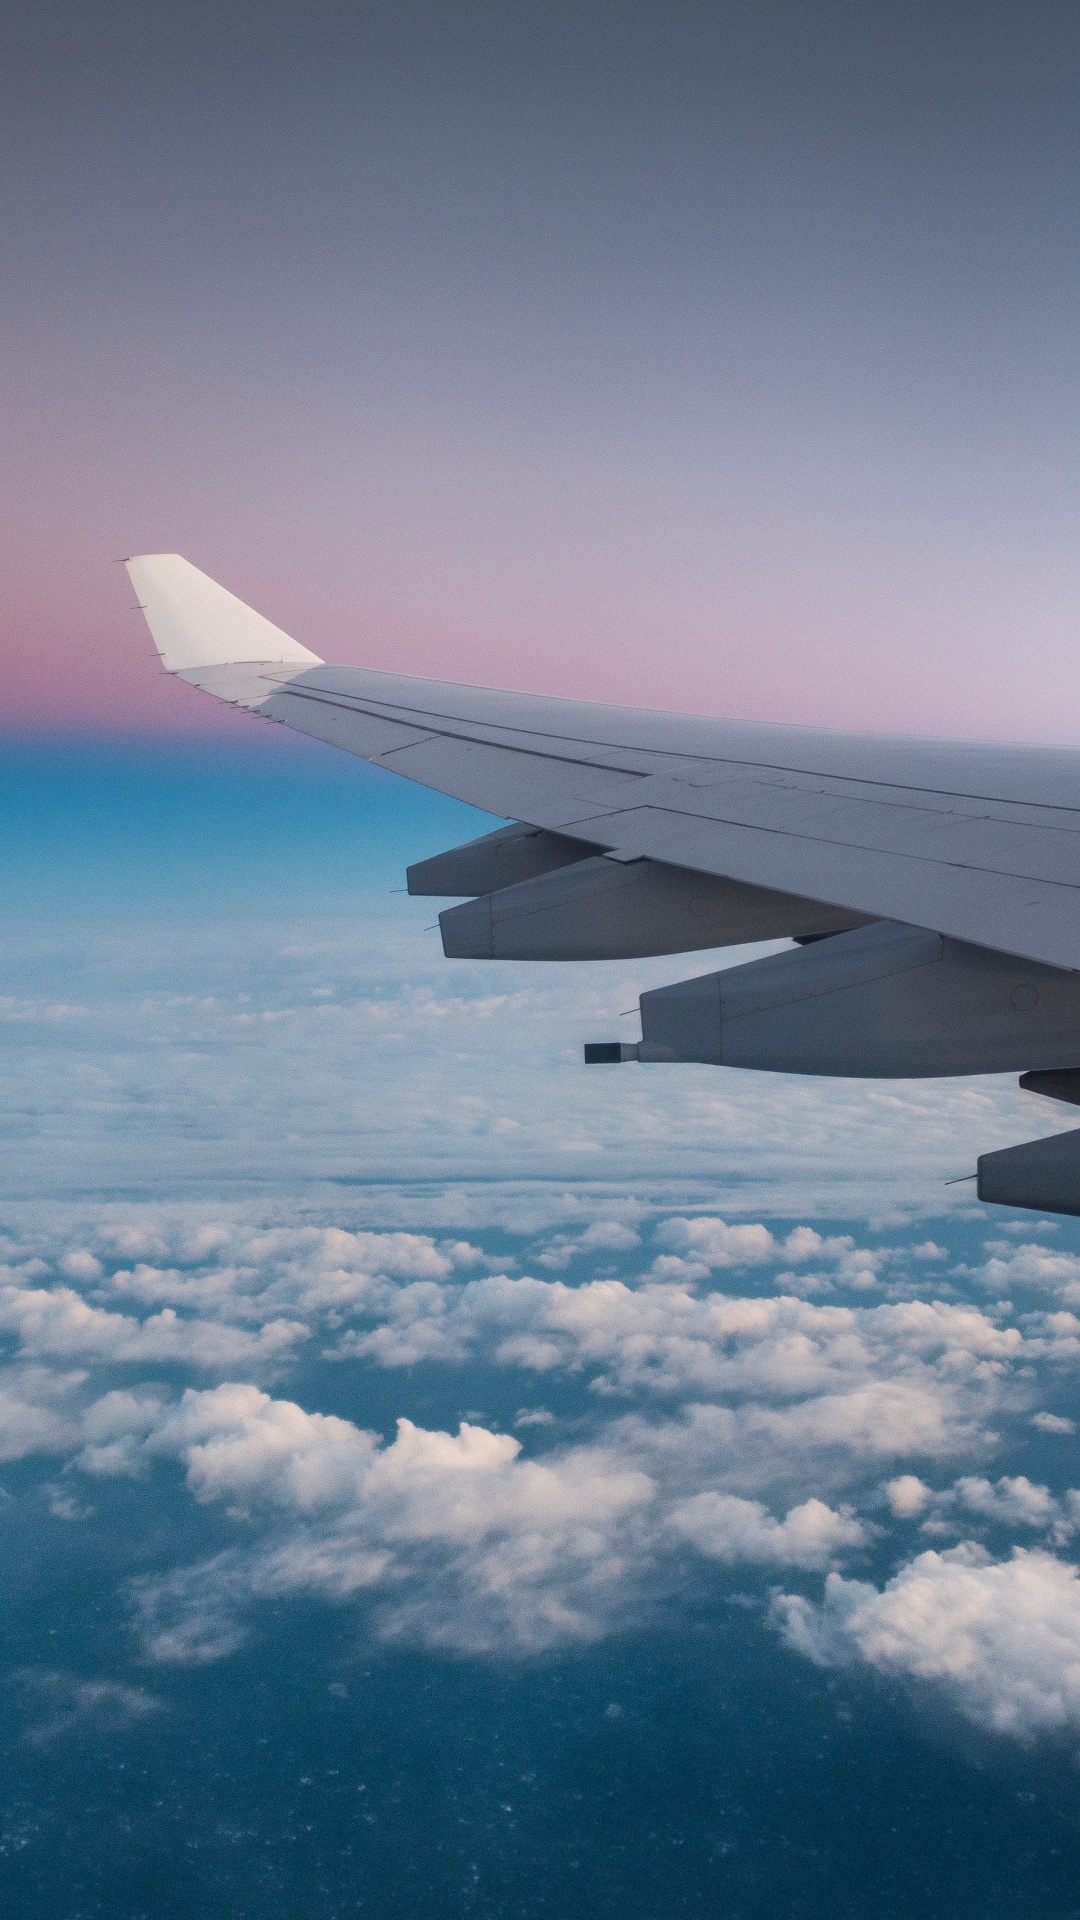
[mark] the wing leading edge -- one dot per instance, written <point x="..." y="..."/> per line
<point x="979" y="843"/>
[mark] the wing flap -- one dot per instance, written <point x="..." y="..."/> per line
<point x="1014" y="914"/>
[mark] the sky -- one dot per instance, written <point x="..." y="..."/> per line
<point x="711" y="356"/>
<point x="436" y="1477"/>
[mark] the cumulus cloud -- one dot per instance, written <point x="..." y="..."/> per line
<point x="464" y="1540"/>
<point x="38" y="1411"/>
<point x="81" y="1264"/>
<point x="1013" y="1502"/>
<point x="907" y="1495"/>
<point x="240" y="1444"/>
<point x="601" y="1236"/>
<point x="1016" y="1501"/>
<point x="705" y="1245"/>
<point x="56" y="1323"/>
<point x="766" y="1401"/>
<point x="948" y="1363"/>
<point x="743" y="1531"/>
<point x="471" y="1544"/>
<point x="1010" y="1268"/>
<point x="1002" y="1637"/>
<point x="1053" y="1423"/>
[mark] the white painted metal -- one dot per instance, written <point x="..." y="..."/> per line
<point x="196" y="623"/>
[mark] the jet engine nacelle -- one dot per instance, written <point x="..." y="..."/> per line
<point x="1042" y="1174"/>
<point x="885" y="1001"/>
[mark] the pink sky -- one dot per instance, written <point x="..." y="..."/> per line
<point x="544" y="388"/>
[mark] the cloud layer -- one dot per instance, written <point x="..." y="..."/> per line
<point x="698" y="1401"/>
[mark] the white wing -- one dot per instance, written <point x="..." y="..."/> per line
<point x="978" y="842"/>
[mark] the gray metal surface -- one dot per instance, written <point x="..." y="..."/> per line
<point x="884" y="1002"/>
<point x="1054" y="1085"/>
<point x="604" y="909"/>
<point x="496" y="860"/>
<point x="979" y="842"/>
<point x="1041" y="1174"/>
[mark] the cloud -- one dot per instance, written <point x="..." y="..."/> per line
<point x="465" y="1541"/>
<point x="38" y="1411"/>
<point x="1053" y="1423"/>
<point x="602" y="1236"/>
<point x="705" y="1245"/>
<point x="1013" y="1502"/>
<point x="945" y="1365"/>
<point x="739" y="1419"/>
<point x="240" y="1444"/>
<point x="1001" y="1637"/>
<point x="58" y="1324"/>
<point x="63" y="1704"/>
<point x="81" y="1264"/>
<point x="743" y="1531"/>
<point x="1030" y="1265"/>
<point x="908" y="1496"/>
<point x="471" y="1544"/>
<point x="712" y="1244"/>
<point x="193" y="1616"/>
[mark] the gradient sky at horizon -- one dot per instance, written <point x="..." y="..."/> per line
<point x="714" y="356"/>
<point x="437" y="1478"/>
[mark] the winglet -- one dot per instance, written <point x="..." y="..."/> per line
<point x="196" y="623"/>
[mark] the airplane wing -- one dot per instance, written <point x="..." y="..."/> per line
<point x="979" y="843"/>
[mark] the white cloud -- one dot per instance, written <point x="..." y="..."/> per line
<point x="38" y="1411"/>
<point x="1016" y="1501"/>
<point x="470" y="1544"/>
<point x="752" y="1426"/>
<point x="743" y="1531"/>
<point x="462" y="1539"/>
<point x="58" y="1324"/>
<point x="602" y="1236"/>
<point x="193" y="1616"/>
<point x="941" y="1368"/>
<point x="714" y="1244"/>
<point x="81" y="1264"/>
<point x="1002" y="1637"/>
<point x="1030" y="1265"/>
<point x="240" y="1444"/>
<point x="1053" y="1423"/>
<point x="908" y="1496"/>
